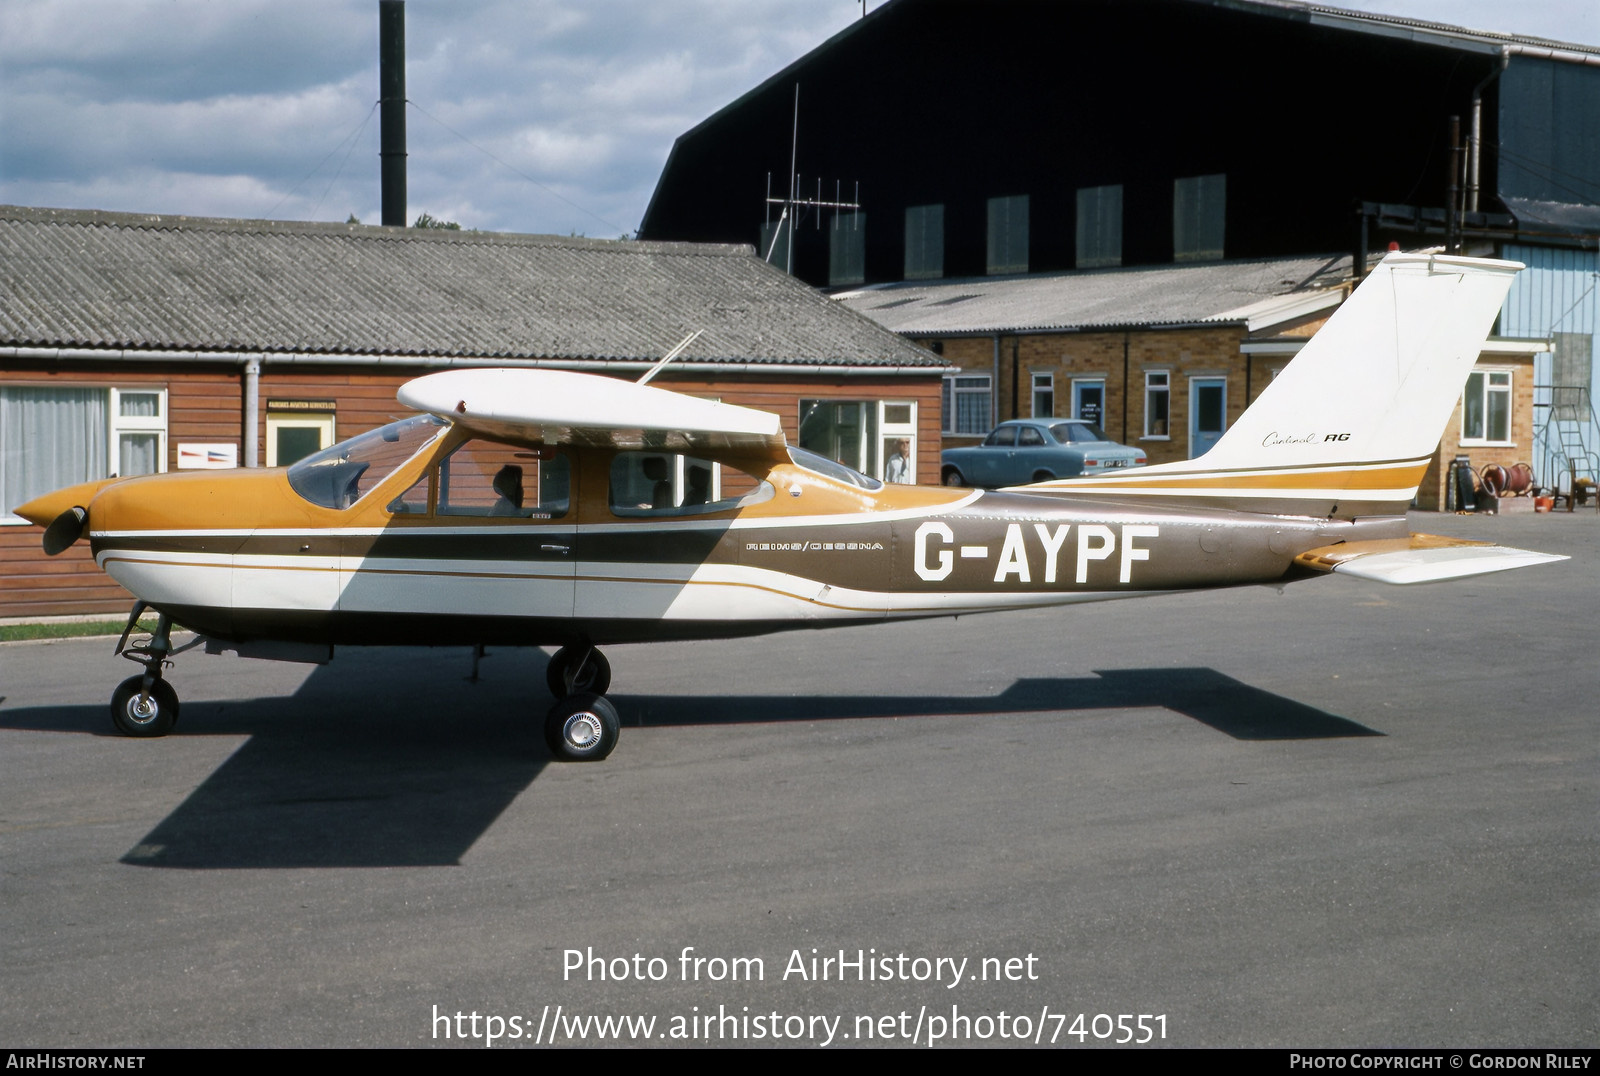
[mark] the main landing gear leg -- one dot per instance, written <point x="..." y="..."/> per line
<point x="146" y="705"/>
<point x="583" y="726"/>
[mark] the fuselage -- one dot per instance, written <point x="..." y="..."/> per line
<point x="246" y="555"/>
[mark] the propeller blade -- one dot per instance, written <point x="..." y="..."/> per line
<point x="65" y="529"/>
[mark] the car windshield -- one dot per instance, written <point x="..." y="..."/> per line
<point x="822" y="465"/>
<point x="1069" y="433"/>
<point x="340" y="476"/>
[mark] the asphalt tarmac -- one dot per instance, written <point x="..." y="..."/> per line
<point x="1336" y="814"/>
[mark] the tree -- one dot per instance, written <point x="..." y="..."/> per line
<point x="427" y="220"/>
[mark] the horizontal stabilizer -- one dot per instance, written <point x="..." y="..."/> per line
<point x="1422" y="558"/>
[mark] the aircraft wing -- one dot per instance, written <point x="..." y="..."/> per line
<point x="560" y="407"/>
<point x="1421" y="558"/>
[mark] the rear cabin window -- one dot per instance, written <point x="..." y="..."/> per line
<point x="668" y="484"/>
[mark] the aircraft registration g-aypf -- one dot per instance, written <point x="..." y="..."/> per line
<point x="550" y="508"/>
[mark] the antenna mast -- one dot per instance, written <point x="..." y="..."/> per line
<point x="791" y="201"/>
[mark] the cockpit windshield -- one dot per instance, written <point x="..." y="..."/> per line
<point x="822" y="465"/>
<point x="340" y="476"/>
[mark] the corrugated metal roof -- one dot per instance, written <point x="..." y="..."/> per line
<point x="1423" y="31"/>
<point x="83" y="279"/>
<point x="1150" y="297"/>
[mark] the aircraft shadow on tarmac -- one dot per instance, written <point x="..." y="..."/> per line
<point x="385" y="772"/>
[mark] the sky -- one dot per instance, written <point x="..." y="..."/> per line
<point x="548" y="116"/>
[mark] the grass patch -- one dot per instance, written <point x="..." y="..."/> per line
<point x="74" y="629"/>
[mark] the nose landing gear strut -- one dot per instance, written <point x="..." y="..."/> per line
<point x="146" y="705"/>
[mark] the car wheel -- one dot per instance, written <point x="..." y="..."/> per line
<point x="1042" y="476"/>
<point x="952" y="477"/>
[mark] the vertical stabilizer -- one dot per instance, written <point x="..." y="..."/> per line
<point x="1349" y="425"/>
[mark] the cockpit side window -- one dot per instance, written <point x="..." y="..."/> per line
<point x="339" y="476"/>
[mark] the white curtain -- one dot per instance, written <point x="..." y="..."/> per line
<point x="49" y="438"/>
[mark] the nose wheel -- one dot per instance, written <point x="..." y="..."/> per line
<point x="146" y="705"/>
<point x="140" y="709"/>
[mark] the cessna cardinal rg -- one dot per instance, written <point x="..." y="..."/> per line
<point x="541" y="507"/>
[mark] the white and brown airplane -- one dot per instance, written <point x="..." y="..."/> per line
<point x="547" y="508"/>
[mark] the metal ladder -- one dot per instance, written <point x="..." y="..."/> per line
<point x="1563" y="444"/>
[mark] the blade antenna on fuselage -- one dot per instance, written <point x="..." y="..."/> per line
<point x="669" y="356"/>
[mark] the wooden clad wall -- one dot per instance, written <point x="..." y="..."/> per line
<point x="205" y="403"/>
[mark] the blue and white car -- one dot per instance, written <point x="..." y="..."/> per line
<point x="1036" y="450"/>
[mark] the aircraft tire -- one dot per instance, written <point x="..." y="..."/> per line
<point x="596" y="679"/>
<point x="155" y="716"/>
<point x="582" y="728"/>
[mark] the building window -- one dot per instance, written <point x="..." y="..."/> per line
<point x="875" y="437"/>
<point x="1099" y="226"/>
<point x="966" y="404"/>
<point x="1199" y="211"/>
<point x="1486" y="408"/>
<point x="1157" y="404"/>
<point x="52" y="437"/>
<point x="1044" y="395"/>
<point x="1008" y="234"/>
<point x="847" y="249"/>
<point x="924" y="242"/>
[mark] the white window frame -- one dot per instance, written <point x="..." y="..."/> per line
<point x="1153" y="389"/>
<point x="952" y="389"/>
<point x="877" y="431"/>
<point x="121" y="424"/>
<point x="1487" y="389"/>
<point x="1044" y="383"/>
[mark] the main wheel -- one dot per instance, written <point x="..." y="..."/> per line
<point x="583" y="728"/>
<point x="136" y="714"/>
<point x="565" y="680"/>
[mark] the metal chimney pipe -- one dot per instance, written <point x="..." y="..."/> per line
<point x="392" y="98"/>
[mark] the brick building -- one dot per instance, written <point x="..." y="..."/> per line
<point x="1165" y="358"/>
